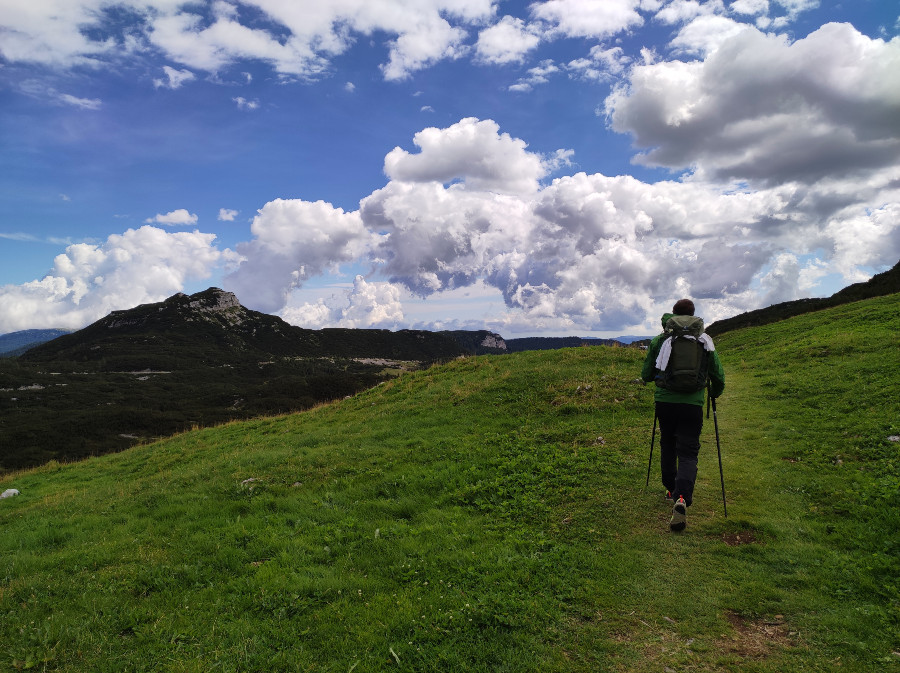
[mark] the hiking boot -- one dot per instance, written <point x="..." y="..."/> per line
<point x="679" y="515"/>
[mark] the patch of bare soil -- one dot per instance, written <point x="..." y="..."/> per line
<point x="734" y="539"/>
<point x="757" y="638"/>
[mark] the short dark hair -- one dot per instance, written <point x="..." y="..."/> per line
<point x="683" y="307"/>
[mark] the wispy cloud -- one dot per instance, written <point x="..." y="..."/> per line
<point x="537" y="75"/>
<point x="244" y="104"/>
<point x="83" y="103"/>
<point x="30" y="238"/>
<point x="43" y="91"/>
<point x="175" y="79"/>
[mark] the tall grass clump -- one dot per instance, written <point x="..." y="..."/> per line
<point x="486" y="515"/>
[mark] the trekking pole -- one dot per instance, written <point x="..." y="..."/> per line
<point x="719" y="449"/>
<point x="652" y="440"/>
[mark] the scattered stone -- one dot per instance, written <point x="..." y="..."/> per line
<point x="894" y="438"/>
<point x="8" y="493"/>
<point x="249" y="481"/>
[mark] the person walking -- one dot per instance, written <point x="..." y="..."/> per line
<point x="682" y="361"/>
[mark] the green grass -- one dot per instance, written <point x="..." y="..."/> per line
<point x="487" y="515"/>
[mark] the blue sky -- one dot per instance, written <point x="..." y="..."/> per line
<point x="557" y="167"/>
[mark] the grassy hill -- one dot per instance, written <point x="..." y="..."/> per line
<point x="487" y="515"/>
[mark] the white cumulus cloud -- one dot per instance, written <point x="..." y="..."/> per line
<point x="507" y="41"/>
<point x="88" y="281"/>
<point x="471" y="151"/>
<point x="300" y="39"/>
<point x="589" y="18"/>
<point x="764" y="109"/>
<point x="366" y="305"/>
<point x="180" y="217"/>
<point x="294" y="240"/>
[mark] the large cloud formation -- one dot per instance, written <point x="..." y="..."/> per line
<point x="785" y="160"/>
<point x="88" y="281"/>
<point x="762" y="109"/>
<point x="297" y="38"/>
<point x="810" y="168"/>
<point x="293" y="241"/>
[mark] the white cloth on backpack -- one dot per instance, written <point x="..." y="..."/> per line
<point x="665" y="351"/>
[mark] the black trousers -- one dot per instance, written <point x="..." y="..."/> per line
<point x="679" y="445"/>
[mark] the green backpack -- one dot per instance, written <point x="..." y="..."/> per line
<point x="688" y="368"/>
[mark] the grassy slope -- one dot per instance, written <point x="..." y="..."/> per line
<point x="487" y="515"/>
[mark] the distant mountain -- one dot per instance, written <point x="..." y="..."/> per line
<point x="552" y="343"/>
<point x="877" y="286"/>
<point x="16" y="343"/>
<point x="213" y="328"/>
<point x="630" y="339"/>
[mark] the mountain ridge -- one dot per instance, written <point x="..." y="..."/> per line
<point x="879" y="285"/>
<point x="216" y="318"/>
<point x="14" y="344"/>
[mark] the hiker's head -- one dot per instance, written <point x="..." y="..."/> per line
<point x="683" y="307"/>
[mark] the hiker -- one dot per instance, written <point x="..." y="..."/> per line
<point x="682" y="361"/>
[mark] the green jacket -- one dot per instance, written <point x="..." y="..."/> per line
<point x="648" y="374"/>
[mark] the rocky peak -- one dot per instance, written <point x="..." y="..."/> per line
<point x="212" y="304"/>
<point x="214" y="300"/>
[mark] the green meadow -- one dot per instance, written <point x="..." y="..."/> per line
<point x="488" y="515"/>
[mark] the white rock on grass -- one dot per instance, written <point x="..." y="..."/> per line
<point x="8" y="493"/>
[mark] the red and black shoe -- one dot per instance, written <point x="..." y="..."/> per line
<point x="679" y="515"/>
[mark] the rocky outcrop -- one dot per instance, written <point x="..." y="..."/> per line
<point x="494" y="341"/>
